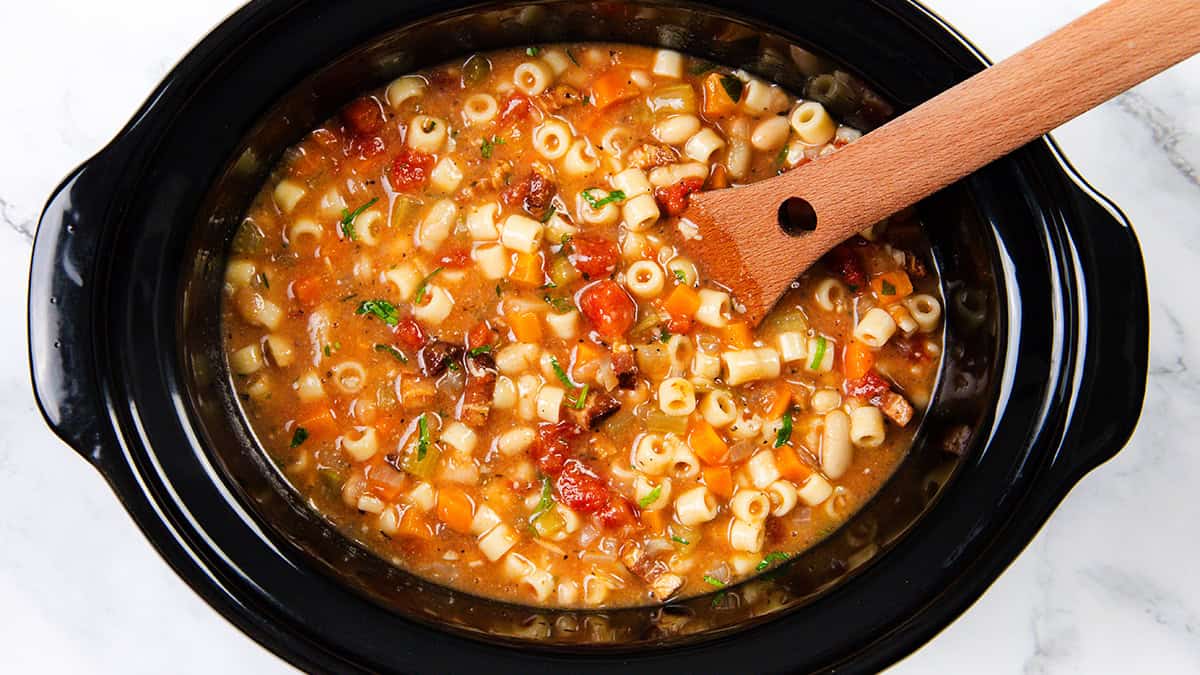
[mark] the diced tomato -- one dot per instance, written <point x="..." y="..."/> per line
<point x="552" y="444"/>
<point x="455" y="258"/>
<point x="594" y="256"/>
<point x="367" y="146"/>
<point x="308" y="290"/>
<point x="363" y="116"/>
<point x="480" y="335"/>
<point x="674" y="198"/>
<point x="410" y="169"/>
<point x="409" y="332"/>
<point x="618" y="512"/>
<point x="514" y="109"/>
<point x="580" y="489"/>
<point x="870" y="386"/>
<point x="844" y="262"/>
<point x="608" y="307"/>
<point x="679" y="325"/>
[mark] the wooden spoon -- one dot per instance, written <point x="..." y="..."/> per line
<point x="741" y="241"/>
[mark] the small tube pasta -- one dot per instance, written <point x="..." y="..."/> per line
<point x="706" y="366"/>
<point x="751" y="506"/>
<point x="481" y="222"/>
<point x="309" y="388"/>
<point x="761" y="469"/>
<point x="812" y="123"/>
<point x="745" y="365"/>
<point x="287" y="194"/>
<point x="479" y="109"/>
<point x="875" y="328"/>
<point x="745" y="536"/>
<point x="404" y="88"/>
<point x="552" y="139"/>
<point x="497" y="541"/>
<point x="793" y="346"/>
<point x="645" y="279"/>
<point x="651" y="455"/>
<point x="866" y="427"/>
<point x="926" y="311"/>
<point x="437" y="225"/>
<point x="446" y="175"/>
<point x="580" y="159"/>
<point x="640" y="212"/>
<point x="349" y="377"/>
<point x="676" y="396"/>
<point x="718" y="408"/>
<point x="783" y="497"/>
<point x="703" y="144"/>
<point x="361" y="444"/>
<point x="437" y="306"/>
<point x="716" y="308"/>
<point x="695" y="506"/>
<point x="493" y="260"/>
<point x="605" y="215"/>
<point x="565" y="325"/>
<point x="532" y="77"/>
<point x="632" y="182"/>
<point x="831" y="295"/>
<point x="306" y="231"/>
<point x="549" y="402"/>
<point x="836" y="451"/>
<point x="426" y="134"/>
<point x="521" y="234"/>
<point x="644" y="493"/>
<point x="668" y="63"/>
<point x="815" y="490"/>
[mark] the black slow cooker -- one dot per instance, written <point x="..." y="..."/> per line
<point x="1042" y="377"/>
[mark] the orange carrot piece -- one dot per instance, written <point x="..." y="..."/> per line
<point x="612" y="87"/>
<point x="791" y="466"/>
<point x="454" y="508"/>
<point x="413" y="524"/>
<point x="857" y="360"/>
<point x="308" y="290"/>
<point x="587" y="361"/>
<point x="719" y="480"/>
<point x="892" y="287"/>
<point x="737" y="335"/>
<point x="655" y="521"/>
<point x="683" y="302"/>
<point x="525" y="326"/>
<point x="318" y="422"/>
<point x="716" y="100"/>
<point x="781" y="400"/>
<point x="528" y="269"/>
<point x="707" y="443"/>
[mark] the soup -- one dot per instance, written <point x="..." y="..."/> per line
<point x="458" y="323"/>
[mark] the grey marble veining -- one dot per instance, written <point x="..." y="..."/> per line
<point x="1108" y="585"/>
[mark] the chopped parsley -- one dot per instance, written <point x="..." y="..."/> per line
<point x="348" y="217"/>
<point x="664" y="336"/>
<point x="680" y="540"/>
<point x="546" y="502"/>
<point x="571" y="55"/>
<point x="614" y="196"/>
<point x="819" y="355"/>
<point x="299" y="436"/>
<point x="488" y="145"/>
<point x="532" y="51"/>
<point x="560" y="305"/>
<point x="262" y="276"/>
<point x="785" y="430"/>
<point x="888" y="288"/>
<point x="422" y="437"/>
<point x="396" y="353"/>
<point x="713" y="581"/>
<point x="550" y="214"/>
<point x="581" y="398"/>
<point x="481" y="349"/>
<point x="499" y="292"/>
<point x="733" y="87"/>
<point x="560" y="373"/>
<point x="771" y="558"/>
<point x="422" y="287"/>
<point x="384" y="310"/>
<point x="680" y="276"/>
<point x="327" y="350"/>
<point x="651" y="497"/>
<point x="781" y="158"/>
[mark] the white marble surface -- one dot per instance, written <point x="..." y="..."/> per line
<point x="1110" y="584"/>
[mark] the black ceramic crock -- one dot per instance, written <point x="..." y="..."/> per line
<point x="1042" y="378"/>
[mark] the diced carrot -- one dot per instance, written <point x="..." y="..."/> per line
<point x="613" y="87"/>
<point x="308" y="290"/>
<point x="892" y="287"/>
<point x="318" y="421"/>
<point x="707" y="443"/>
<point x="682" y="302"/>
<point x="717" y="101"/>
<point x="454" y="508"/>
<point x="413" y="524"/>
<point x="587" y="361"/>
<point x="737" y="335"/>
<point x="719" y="480"/>
<point x="480" y="335"/>
<point x="525" y="326"/>
<point x="781" y="400"/>
<point x="655" y="521"/>
<point x="528" y="269"/>
<point x="858" y="360"/>
<point x="791" y="466"/>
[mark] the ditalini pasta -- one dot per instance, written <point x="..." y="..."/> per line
<point x="460" y="324"/>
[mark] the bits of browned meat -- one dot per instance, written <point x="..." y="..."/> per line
<point x="896" y="408"/>
<point x="436" y="356"/>
<point x="598" y="407"/>
<point x="649" y="155"/>
<point x="533" y="193"/>
<point x="477" y="394"/>
<point x="560" y="96"/>
<point x="624" y="366"/>
<point x="655" y="573"/>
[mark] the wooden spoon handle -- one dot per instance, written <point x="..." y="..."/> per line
<point x="1092" y="59"/>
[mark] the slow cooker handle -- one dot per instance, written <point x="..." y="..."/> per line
<point x="62" y="352"/>
<point x="1117" y="335"/>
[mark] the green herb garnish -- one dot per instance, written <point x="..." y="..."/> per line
<point x="777" y="556"/>
<point x="581" y="398"/>
<point x="550" y="214"/>
<point x="680" y="540"/>
<point x="614" y="196"/>
<point x="532" y="51"/>
<point x="384" y="310"/>
<point x="781" y="158"/>
<point x="546" y="502"/>
<point x="785" y="430"/>
<point x="422" y="437"/>
<point x="419" y="296"/>
<point x="560" y="373"/>
<point x="560" y="305"/>
<point x="488" y="145"/>
<point x="571" y="55"/>
<point x="262" y="276"/>
<point x="664" y="336"/>
<point x="481" y="349"/>
<point x="396" y="353"/>
<point x="680" y="276"/>
<point x="733" y="87"/>
<point x="499" y="292"/>
<point x="327" y="350"/>
<point x="713" y="581"/>
<point x="819" y="355"/>
<point x="651" y="497"/>
<point x="349" y="216"/>
<point x="299" y="436"/>
<point x="888" y="288"/>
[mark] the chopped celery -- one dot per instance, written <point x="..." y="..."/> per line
<point x="674" y="98"/>
<point x="549" y="523"/>
<point x="660" y="422"/>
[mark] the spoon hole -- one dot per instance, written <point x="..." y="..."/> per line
<point x="796" y="216"/>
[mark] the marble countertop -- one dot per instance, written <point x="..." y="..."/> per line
<point x="1108" y="585"/>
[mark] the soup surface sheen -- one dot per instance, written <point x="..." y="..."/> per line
<point x="458" y="324"/>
